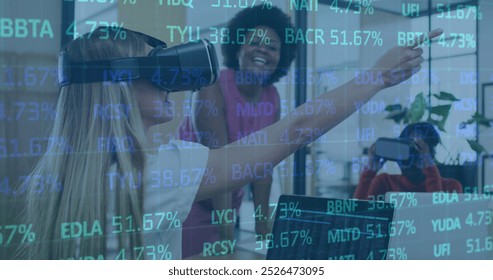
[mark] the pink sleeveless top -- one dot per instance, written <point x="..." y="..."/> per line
<point x="243" y="118"/>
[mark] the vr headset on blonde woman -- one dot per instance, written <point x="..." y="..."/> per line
<point x="189" y="66"/>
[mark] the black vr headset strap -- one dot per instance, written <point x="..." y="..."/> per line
<point x="115" y="70"/>
<point x="112" y="70"/>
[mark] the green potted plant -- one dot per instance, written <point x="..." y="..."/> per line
<point x="422" y="111"/>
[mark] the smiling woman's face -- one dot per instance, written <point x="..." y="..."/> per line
<point x="260" y="55"/>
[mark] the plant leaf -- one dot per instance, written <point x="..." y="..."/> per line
<point x="439" y="124"/>
<point x="475" y="146"/>
<point x="466" y="123"/>
<point x="441" y="110"/>
<point x="446" y="96"/>
<point x="397" y="116"/>
<point x="463" y="125"/>
<point x="393" y="107"/>
<point x="417" y="109"/>
<point x="480" y="119"/>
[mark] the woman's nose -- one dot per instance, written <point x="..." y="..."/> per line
<point x="262" y="48"/>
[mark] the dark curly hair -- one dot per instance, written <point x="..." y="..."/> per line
<point x="258" y="16"/>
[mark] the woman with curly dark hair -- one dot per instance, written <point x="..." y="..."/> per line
<point x="257" y="59"/>
<point x="274" y="23"/>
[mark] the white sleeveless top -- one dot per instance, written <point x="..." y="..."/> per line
<point x="171" y="180"/>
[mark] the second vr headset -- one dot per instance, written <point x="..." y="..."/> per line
<point x="396" y="149"/>
<point x="188" y="66"/>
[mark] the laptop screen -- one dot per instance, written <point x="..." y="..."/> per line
<point x="325" y="229"/>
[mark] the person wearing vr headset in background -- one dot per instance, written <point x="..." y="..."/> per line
<point x="252" y="69"/>
<point x="120" y="197"/>
<point x="419" y="172"/>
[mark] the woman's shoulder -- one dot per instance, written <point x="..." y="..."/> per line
<point x="452" y="184"/>
<point x="175" y="171"/>
<point x="176" y="156"/>
<point x="187" y="151"/>
<point x="271" y="92"/>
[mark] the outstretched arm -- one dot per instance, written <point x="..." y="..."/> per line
<point x="296" y="129"/>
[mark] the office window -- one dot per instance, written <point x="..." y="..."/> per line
<point x="450" y="66"/>
<point x="454" y="63"/>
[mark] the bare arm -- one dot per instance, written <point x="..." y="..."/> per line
<point x="296" y="129"/>
<point x="229" y="163"/>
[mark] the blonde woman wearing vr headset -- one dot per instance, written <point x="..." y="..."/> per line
<point x="114" y="202"/>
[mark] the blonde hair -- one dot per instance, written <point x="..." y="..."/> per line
<point x="81" y="166"/>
